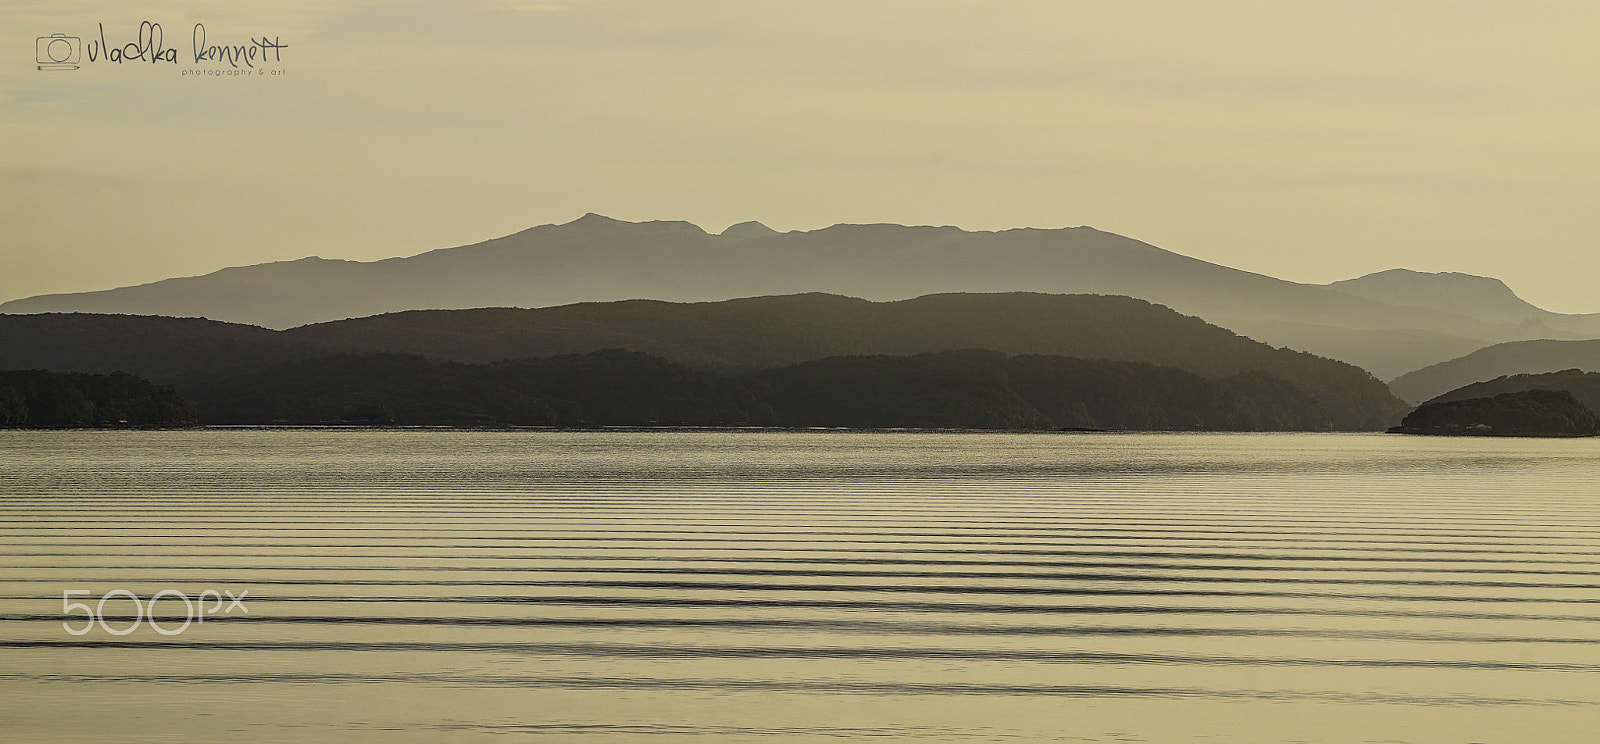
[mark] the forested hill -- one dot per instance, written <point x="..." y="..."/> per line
<point x="1523" y="413"/>
<point x="731" y="336"/>
<point x="149" y="346"/>
<point x="765" y="332"/>
<point x="44" y="399"/>
<point x="1584" y="386"/>
<point x="1519" y="358"/>
<point x="953" y="389"/>
<point x="762" y="332"/>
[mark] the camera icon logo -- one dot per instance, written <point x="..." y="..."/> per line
<point x="59" y="52"/>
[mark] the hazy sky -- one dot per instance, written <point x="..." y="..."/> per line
<point x="1313" y="141"/>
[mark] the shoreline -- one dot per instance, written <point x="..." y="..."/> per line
<point x="664" y="428"/>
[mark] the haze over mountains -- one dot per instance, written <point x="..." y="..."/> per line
<point x="1388" y="323"/>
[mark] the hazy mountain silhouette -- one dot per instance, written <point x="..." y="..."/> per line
<point x="1479" y="297"/>
<point x="1517" y="358"/>
<point x="596" y="258"/>
<point x="730" y="336"/>
<point x="751" y="229"/>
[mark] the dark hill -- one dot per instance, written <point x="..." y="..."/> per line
<point x="41" y="398"/>
<point x="985" y="389"/>
<point x="1525" y="413"/>
<point x="953" y="389"/>
<point x="154" y="347"/>
<point x="764" y="332"/>
<point x="1585" y="386"/>
<point x="731" y="336"/>
<point x="1516" y="358"/>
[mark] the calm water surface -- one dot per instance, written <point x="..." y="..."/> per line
<point x="427" y="586"/>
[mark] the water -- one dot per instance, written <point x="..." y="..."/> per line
<point x="431" y="586"/>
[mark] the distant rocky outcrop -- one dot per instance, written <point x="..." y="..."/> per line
<point x="1526" y="413"/>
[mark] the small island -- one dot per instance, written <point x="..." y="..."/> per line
<point x="1526" y="413"/>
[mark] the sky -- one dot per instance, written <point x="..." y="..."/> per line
<point x="1309" y="140"/>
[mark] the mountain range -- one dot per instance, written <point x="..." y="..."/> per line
<point x="1388" y="323"/>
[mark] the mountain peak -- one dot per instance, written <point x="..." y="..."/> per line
<point x="593" y="219"/>
<point x="751" y="229"/>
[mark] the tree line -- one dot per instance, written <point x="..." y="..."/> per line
<point x="952" y="389"/>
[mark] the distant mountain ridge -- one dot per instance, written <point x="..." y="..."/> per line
<point x="1480" y="297"/>
<point x="597" y="259"/>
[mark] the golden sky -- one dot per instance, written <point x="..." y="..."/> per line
<point x="1312" y="141"/>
